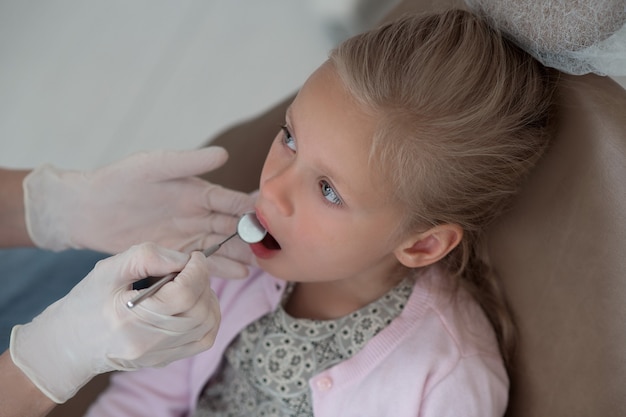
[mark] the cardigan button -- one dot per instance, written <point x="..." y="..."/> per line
<point x="324" y="383"/>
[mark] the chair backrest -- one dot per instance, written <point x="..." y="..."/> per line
<point x="561" y="252"/>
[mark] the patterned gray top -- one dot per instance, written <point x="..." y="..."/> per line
<point x="266" y="369"/>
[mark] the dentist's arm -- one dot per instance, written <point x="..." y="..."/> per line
<point x="91" y="331"/>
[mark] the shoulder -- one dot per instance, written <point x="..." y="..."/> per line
<point x="444" y="349"/>
<point x="439" y="357"/>
<point x="449" y="311"/>
<point x="459" y="342"/>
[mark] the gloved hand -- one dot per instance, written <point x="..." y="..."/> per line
<point x="151" y="196"/>
<point x="91" y="331"/>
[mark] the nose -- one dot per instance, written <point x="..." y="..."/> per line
<point x="278" y="190"/>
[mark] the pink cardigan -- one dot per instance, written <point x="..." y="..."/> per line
<point x="439" y="357"/>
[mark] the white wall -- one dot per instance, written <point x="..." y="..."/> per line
<point x="85" y="82"/>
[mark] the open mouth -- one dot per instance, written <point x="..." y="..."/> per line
<point x="269" y="242"/>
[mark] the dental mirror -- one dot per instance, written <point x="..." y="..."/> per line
<point x="249" y="230"/>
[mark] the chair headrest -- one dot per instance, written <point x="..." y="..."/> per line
<point x="561" y="253"/>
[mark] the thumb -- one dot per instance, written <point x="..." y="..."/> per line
<point x="183" y="292"/>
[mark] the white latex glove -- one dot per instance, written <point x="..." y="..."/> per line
<point x="92" y="331"/>
<point x="151" y="196"/>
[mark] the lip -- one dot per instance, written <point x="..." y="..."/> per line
<point x="259" y="249"/>
<point x="262" y="220"/>
<point x="261" y="252"/>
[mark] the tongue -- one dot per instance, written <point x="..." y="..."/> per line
<point x="270" y="243"/>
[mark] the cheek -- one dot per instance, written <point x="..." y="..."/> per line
<point x="321" y="235"/>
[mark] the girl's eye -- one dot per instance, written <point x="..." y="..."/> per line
<point x="288" y="140"/>
<point x="329" y="193"/>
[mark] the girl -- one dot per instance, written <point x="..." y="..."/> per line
<point x="373" y="297"/>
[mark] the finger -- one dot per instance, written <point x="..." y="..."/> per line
<point x="228" y="201"/>
<point x="163" y="165"/>
<point x="224" y="224"/>
<point x="212" y="157"/>
<point x="182" y="293"/>
<point x="214" y="238"/>
<point x="227" y="268"/>
<point x="182" y="349"/>
<point x="237" y="250"/>
<point x="203" y="315"/>
<point x="149" y="345"/>
<point x="144" y="260"/>
<point x="167" y="330"/>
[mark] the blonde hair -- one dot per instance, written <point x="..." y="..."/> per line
<point x="463" y="116"/>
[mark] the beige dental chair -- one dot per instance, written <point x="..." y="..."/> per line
<point x="561" y="252"/>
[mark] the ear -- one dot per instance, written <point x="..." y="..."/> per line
<point x="426" y="248"/>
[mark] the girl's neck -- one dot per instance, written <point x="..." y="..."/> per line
<point x="328" y="300"/>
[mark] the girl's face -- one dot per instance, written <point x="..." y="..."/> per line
<point x="330" y="215"/>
